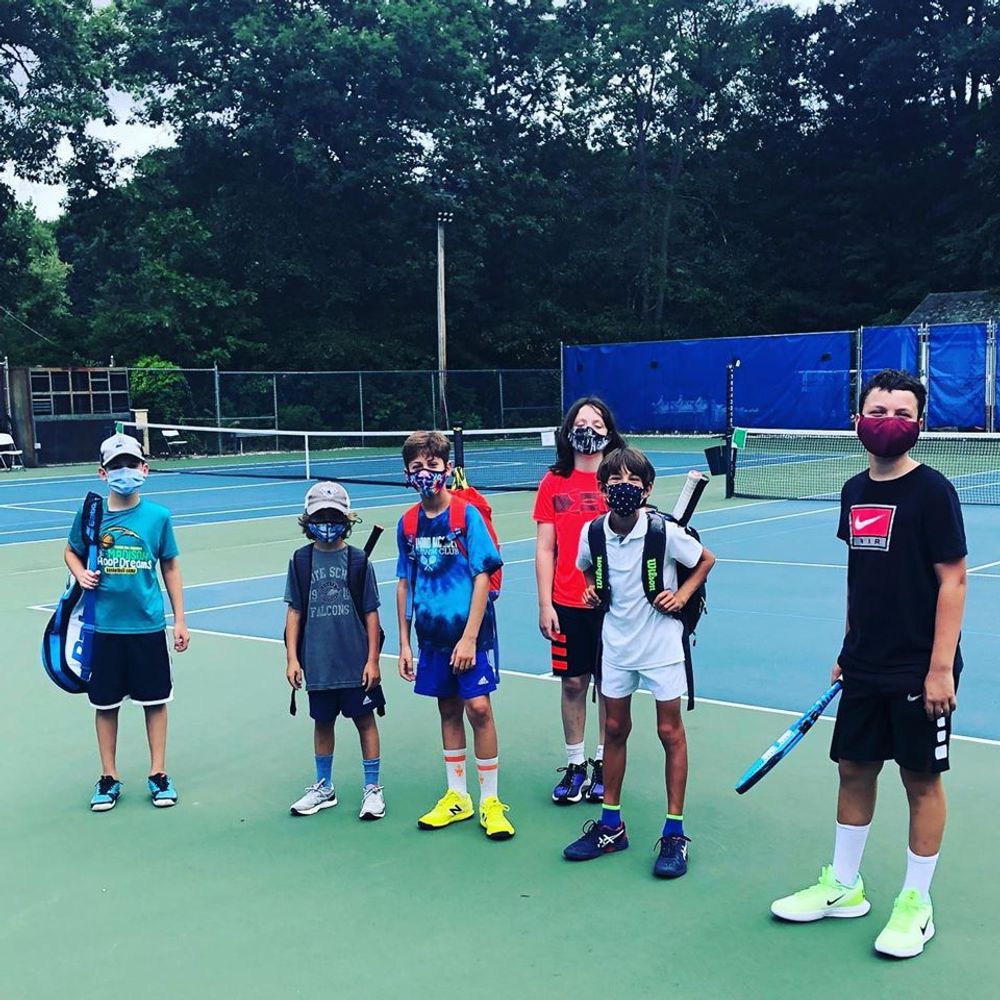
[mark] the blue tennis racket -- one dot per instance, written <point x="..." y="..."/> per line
<point x="787" y="741"/>
<point x="93" y="510"/>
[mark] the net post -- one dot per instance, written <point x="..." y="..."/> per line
<point x="459" y="446"/>
<point x="218" y="404"/>
<point x="730" y="422"/>
<point x="562" y="377"/>
<point x="991" y="375"/>
<point x="500" y="387"/>
<point x="308" y="462"/>
<point x="361" y="405"/>
<point x="859" y="363"/>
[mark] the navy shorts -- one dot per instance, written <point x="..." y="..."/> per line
<point x="351" y="703"/>
<point x="575" y="650"/>
<point x="437" y="678"/>
<point x="134" y="665"/>
<point x="877" y="722"/>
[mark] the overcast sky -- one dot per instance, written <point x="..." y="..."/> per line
<point x="133" y="139"/>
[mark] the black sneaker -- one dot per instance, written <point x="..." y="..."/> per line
<point x="672" y="861"/>
<point x="597" y="839"/>
<point x="571" y="786"/>
<point x="595" y="790"/>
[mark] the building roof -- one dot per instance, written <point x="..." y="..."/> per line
<point x="957" y="307"/>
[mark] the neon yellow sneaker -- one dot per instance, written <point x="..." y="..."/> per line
<point x="450" y="808"/>
<point x="910" y="927"/>
<point x="827" y="898"/>
<point x="493" y="819"/>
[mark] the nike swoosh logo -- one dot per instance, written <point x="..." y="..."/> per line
<point x="914" y="697"/>
<point x="860" y="525"/>
<point x="923" y="930"/>
<point x="830" y="902"/>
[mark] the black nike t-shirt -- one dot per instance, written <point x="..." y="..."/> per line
<point x="896" y="531"/>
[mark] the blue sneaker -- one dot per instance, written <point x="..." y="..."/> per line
<point x="595" y="791"/>
<point x="597" y="839"/>
<point x="672" y="861"/>
<point x="106" y="793"/>
<point x="161" y="790"/>
<point x="571" y="786"/>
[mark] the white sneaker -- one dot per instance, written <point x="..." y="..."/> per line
<point x="373" y="803"/>
<point x="318" y="796"/>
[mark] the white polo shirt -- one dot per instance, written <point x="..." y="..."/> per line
<point x="635" y="633"/>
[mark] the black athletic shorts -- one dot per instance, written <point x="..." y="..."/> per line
<point x="351" y="703"/>
<point x="575" y="650"/>
<point x="134" y="665"/>
<point x="885" y="721"/>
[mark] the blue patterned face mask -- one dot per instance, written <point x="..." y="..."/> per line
<point x="125" y="481"/>
<point x="587" y="441"/>
<point x="427" y="482"/>
<point x="624" y="498"/>
<point x="328" y="533"/>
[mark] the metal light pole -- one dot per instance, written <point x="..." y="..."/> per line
<point x="443" y="219"/>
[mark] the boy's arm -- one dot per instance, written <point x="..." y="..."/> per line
<point x="171" y="571"/>
<point x="88" y="579"/>
<point x="939" y="686"/>
<point x="667" y="601"/>
<point x="463" y="656"/>
<point x="545" y="572"/>
<point x="293" y="629"/>
<point x="372" y="674"/>
<point x="405" y="651"/>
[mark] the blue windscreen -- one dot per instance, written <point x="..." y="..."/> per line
<point x="888" y="347"/>
<point x="957" y="370"/>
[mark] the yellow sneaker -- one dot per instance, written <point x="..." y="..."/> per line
<point x="450" y="808"/>
<point x="493" y="819"/>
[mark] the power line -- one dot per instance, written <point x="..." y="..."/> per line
<point x="30" y="329"/>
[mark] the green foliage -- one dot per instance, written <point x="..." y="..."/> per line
<point x="159" y="387"/>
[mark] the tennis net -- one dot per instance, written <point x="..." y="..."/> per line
<point x="813" y="465"/>
<point x="493" y="459"/>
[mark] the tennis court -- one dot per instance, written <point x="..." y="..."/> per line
<point x="228" y="895"/>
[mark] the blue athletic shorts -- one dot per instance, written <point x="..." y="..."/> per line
<point x="437" y="679"/>
<point x="351" y="703"/>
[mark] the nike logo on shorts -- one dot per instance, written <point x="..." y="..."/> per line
<point x="914" y="697"/>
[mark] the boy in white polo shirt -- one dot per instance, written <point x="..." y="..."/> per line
<point x="642" y="646"/>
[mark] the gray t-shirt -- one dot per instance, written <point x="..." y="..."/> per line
<point x="335" y="646"/>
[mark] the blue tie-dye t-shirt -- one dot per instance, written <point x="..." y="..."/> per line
<point x="442" y="593"/>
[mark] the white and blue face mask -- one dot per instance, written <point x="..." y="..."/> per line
<point x="125" y="481"/>
<point x="587" y="441"/>
<point x="427" y="482"/>
<point x="327" y="532"/>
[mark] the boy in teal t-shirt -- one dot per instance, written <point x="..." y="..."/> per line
<point x="131" y="658"/>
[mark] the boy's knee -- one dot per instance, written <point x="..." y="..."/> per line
<point x="365" y="722"/>
<point x="479" y="711"/>
<point x="919" y="783"/>
<point x="858" y="772"/>
<point x="616" y="730"/>
<point x="671" y="733"/>
<point x="576" y="687"/>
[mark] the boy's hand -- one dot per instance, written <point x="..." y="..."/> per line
<point x="181" y="637"/>
<point x="590" y="597"/>
<point x="463" y="656"/>
<point x="548" y="621"/>
<point x="406" y="670"/>
<point x="939" y="693"/>
<point x="371" y="676"/>
<point x="835" y="674"/>
<point x="88" y="578"/>
<point x="669" y="602"/>
<point x="294" y="675"/>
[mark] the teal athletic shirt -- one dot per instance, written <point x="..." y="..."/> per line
<point x="133" y="541"/>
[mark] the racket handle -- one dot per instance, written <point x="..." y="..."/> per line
<point x="376" y="534"/>
<point x="687" y="501"/>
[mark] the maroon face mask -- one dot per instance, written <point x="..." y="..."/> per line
<point x="888" y="437"/>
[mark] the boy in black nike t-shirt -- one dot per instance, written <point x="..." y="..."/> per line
<point x="900" y="661"/>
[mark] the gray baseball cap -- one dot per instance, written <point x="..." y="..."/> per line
<point x="327" y="495"/>
<point x="120" y="444"/>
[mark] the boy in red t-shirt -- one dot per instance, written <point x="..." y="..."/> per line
<point x="568" y="498"/>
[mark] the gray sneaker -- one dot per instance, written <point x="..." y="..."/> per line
<point x="318" y="796"/>
<point x="373" y="803"/>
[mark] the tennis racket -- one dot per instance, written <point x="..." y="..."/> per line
<point x="787" y="741"/>
<point x="93" y="511"/>
<point x="687" y="500"/>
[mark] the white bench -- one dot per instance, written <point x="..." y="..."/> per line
<point x="174" y="441"/>
<point x="11" y="457"/>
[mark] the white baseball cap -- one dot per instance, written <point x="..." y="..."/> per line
<point x="328" y="495"/>
<point x="120" y="444"/>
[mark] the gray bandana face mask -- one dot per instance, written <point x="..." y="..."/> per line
<point x="587" y="441"/>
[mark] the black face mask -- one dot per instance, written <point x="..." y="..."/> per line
<point x="624" y="498"/>
<point x="587" y="441"/>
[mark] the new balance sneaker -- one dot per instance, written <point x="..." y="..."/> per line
<point x="672" y="860"/>
<point x="827" y="898"/>
<point x="318" y="796"/>
<point x="372" y="803"/>
<point x="161" y="790"/>
<point x="595" y="790"/>
<point x="571" y="785"/>
<point x="493" y="819"/>
<point x="597" y="839"/>
<point x="450" y="808"/>
<point x="910" y="927"/>
<point x="107" y="791"/>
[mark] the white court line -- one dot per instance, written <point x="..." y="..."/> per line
<point x="775" y="562"/>
<point x="989" y="565"/>
<point x="765" y="520"/>
<point x="41" y="510"/>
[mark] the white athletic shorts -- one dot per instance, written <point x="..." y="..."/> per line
<point x="665" y="683"/>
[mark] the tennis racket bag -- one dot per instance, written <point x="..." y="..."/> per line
<point x="67" y="643"/>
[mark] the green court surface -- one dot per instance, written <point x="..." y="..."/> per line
<point x="228" y="896"/>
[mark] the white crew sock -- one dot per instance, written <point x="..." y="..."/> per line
<point x="575" y="753"/>
<point x="919" y="872"/>
<point x="599" y="756"/>
<point x="454" y="762"/>
<point x="488" y="769"/>
<point x="848" y="848"/>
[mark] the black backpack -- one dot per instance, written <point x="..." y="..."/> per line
<point x="653" y="557"/>
<point x="357" y="571"/>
